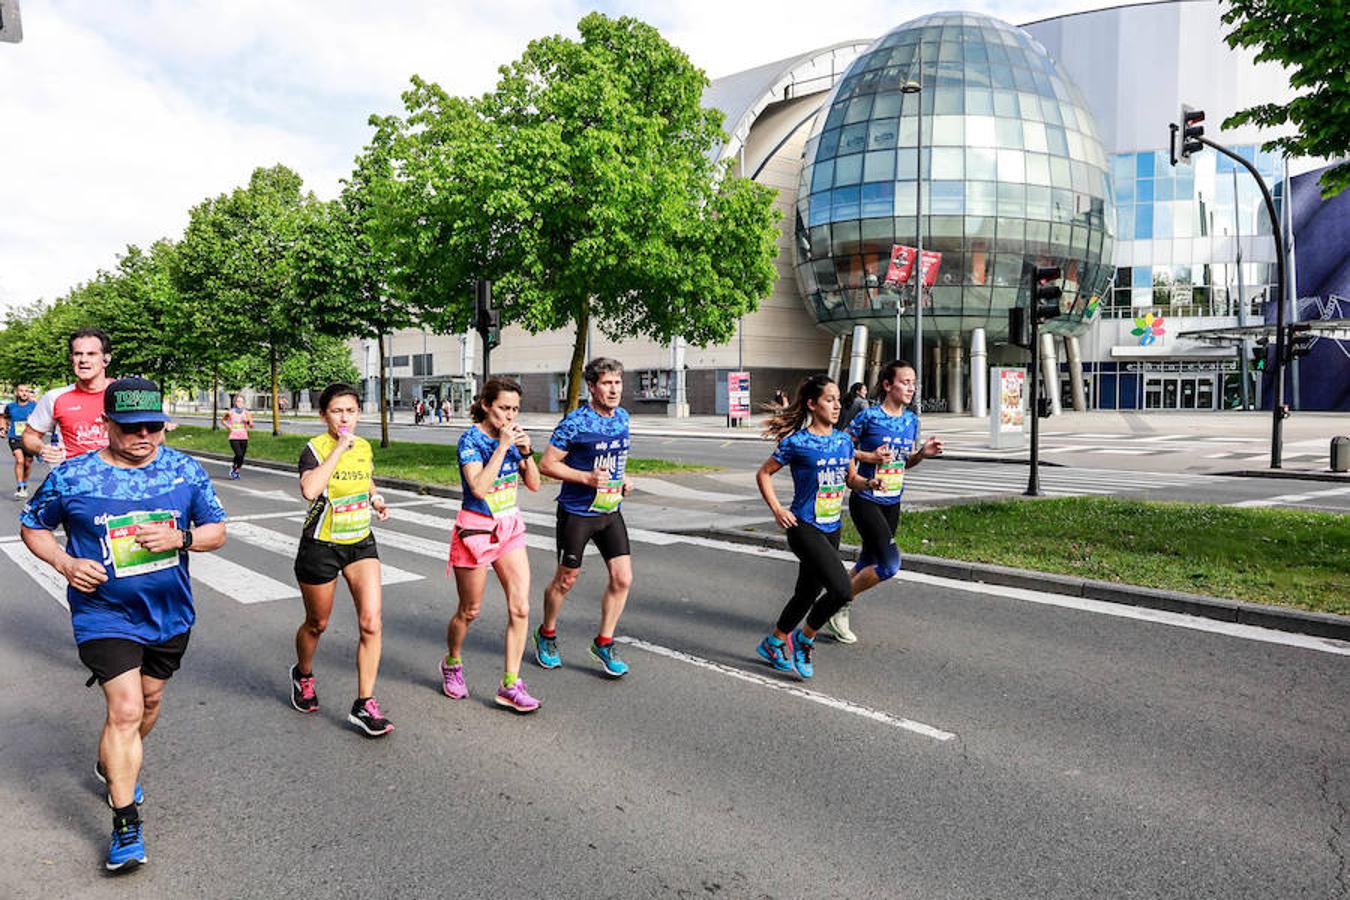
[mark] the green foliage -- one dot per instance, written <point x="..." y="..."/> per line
<point x="583" y="187"/>
<point x="1310" y="38"/>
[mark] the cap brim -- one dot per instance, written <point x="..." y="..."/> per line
<point x="136" y="418"/>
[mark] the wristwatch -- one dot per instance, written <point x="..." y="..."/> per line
<point x="187" y="538"/>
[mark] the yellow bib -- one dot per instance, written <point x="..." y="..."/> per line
<point x="341" y="515"/>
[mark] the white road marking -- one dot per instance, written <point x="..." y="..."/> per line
<point x="670" y="489"/>
<point x="39" y="571"/>
<point x="274" y="494"/>
<point x="287" y="545"/>
<point x="239" y="583"/>
<point x="795" y="690"/>
<point x="1293" y="498"/>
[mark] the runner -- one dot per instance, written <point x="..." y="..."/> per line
<point x="821" y="460"/>
<point x="494" y="457"/>
<point x="239" y="419"/>
<point x="588" y="453"/>
<point x="884" y="438"/>
<point x="77" y="409"/>
<point x="854" y="402"/>
<point x="129" y="512"/>
<point x="16" y="415"/>
<point x="336" y="470"/>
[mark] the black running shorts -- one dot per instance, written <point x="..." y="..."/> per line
<point x="17" y="444"/>
<point x="576" y="531"/>
<point x="109" y="657"/>
<point x="319" y="562"/>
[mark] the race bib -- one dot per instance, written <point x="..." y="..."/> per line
<point x="130" y="558"/>
<point x="829" y="503"/>
<point x="351" y="518"/>
<point x="892" y="475"/>
<point x="501" y="497"/>
<point x="608" y="497"/>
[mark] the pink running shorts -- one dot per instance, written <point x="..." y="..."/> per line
<point x="478" y="540"/>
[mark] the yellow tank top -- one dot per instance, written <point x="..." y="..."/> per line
<point x="341" y="514"/>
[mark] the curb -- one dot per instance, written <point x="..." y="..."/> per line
<point x="1295" y="474"/>
<point x="1321" y="625"/>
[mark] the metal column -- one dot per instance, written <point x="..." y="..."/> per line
<point x="979" y="374"/>
<point x="836" y="356"/>
<point x="857" y="361"/>
<point x="1074" y="356"/>
<point x="956" y="394"/>
<point x="1050" y="372"/>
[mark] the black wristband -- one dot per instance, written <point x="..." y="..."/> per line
<point x="187" y="538"/>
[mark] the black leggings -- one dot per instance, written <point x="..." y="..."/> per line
<point x="821" y="569"/>
<point x="240" y="447"/>
<point x="876" y="527"/>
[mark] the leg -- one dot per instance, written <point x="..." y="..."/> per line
<point x="876" y="527"/>
<point x="571" y="534"/>
<point x="318" y="608"/>
<point x="363" y="578"/>
<point x="152" y="695"/>
<point x="830" y="570"/>
<point x="555" y="593"/>
<point x="469" y="585"/>
<point x="119" y="745"/>
<point x="513" y="569"/>
<point x="616" y="593"/>
<point x="20" y="470"/>
<point x="806" y="542"/>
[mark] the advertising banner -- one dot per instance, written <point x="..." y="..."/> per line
<point x="1007" y="418"/>
<point x="738" y="395"/>
<point x="901" y="267"/>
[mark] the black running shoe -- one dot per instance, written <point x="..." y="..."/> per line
<point x="303" y="695"/>
<point x="366" y="716"/>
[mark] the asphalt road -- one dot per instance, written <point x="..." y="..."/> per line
<point x="978" y="742"/>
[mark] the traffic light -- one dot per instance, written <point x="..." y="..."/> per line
<point x="1300" y="343"/>
<point x="1044" y="407"/>
<point x="1186" y="135"/>
<point x="492" y="330"/>
<point x="1047" y="293"/>
<point x="1019" y="327"/>
<point x="487" y="321"/>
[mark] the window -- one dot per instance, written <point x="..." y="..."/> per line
<point x="421" y="365"/>
<point x="398" y="362"/>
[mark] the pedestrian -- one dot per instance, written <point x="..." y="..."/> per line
<point x="440" y="413"/>
<point x="76" y="409"/>
<point x="336" y="477"/>
<point x="238" y="419"/>
<point x="854" y="402"/>
<point x="131" y="512"/>
<point x="495" y="456"/>
<point x="16" y="418"/>
<point x="588" y="453"/>
<point x="447" y="409"/>
<point x="419" y="411"/>
<point x="886" y="444"/>
<point x="821" y="461"/>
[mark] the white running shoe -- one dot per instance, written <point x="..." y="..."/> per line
<point x="838" y="626"/>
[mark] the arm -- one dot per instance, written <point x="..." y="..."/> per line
<point x="158" y="537"/>
<point x="764" y="478"/>
<point x="856" y="482"/>
<point x="478" y="477"/>
<point x="32" y="442"/>
<point x="315" y="481"/>
<point x="931" y="447"/>
<point x="553" y="466"/>
<point x="529" y="472"/>
<point x="83" y="574"/>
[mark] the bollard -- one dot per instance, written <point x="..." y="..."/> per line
<point x="1340" y="454"/>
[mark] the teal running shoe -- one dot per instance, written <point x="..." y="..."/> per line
<point x="546" y="650"/>
<point x="127" y="849"/>
<point x="138" y="798"/>
<point x="801" y="654"/>
<point x="608" y="656"/>
<point x="774" y="652"/>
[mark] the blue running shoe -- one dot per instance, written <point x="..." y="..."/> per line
<point x="774" y="652"/>
<point x="127" y="850"/>
<point x="608" y="656"/>
<point x="138" y="798"/>
<point x="546" y="650"/>
<point x="801" y="654"/>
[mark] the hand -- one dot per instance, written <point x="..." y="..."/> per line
<point x="84" y="575"/>
<point x="54" y="454"/>
<point x="874" y="484"/>
<point x="158" y="537"/>
<point x="784" y="518"/>
<point x="931" y="448"/>
<point x="346" y="441"/>
<point x="521" y="439"/>
<point x="598" y="478"/>
<point x="627" y="486"/>
<point x="885" y="454"/>
<point x="381" y="508"/>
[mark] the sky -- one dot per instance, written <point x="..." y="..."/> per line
<point x="117" y="118"/>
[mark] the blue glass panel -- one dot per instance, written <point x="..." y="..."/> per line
<point x="1143" y="222"/>
<point x="1143" y="165"/>
<point x="820" y="209"/>
<point x="1143" y="192"/>
<point x="947" y="197"/>
<point x="848" y="169"/>
<point x="845" y="203"/>
<point x="1125" y="222"/>
<point x="1162" y="220"/>
<point x="829" y="144"/>
<point x="878" y="198"/>
<point x="1164" y="189"/>
<point x="824" y="175"/>
<point x="1122" y="168"/>
<point x="1141" y="276"/>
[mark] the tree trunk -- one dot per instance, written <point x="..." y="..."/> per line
<point x="578" y="355"/>
<point x="384" y="392"/>
<point x="276" y="392"/>
<point x="215" y="396"/>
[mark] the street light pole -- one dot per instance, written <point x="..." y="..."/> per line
<point x="916" y="88"/>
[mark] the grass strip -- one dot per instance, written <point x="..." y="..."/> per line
<point x="427" y="463"/>
<point x="1275" y="556"/>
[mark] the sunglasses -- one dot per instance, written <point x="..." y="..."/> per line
<point x="148" y="427"/>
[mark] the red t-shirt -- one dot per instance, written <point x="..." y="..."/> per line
<point x="79" y="415"/>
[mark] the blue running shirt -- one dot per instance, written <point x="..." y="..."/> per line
<point x="874" y="427"/>
<point x="147" y="597"/>
<point x="591" y="440"/>
<point x="476" y="446"/>
<point x="18" y="414"/>
<point x="819" y="464"/>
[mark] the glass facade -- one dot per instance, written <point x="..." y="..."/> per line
<point x="1177" y="230"/>
<point x="1012" y="172"/>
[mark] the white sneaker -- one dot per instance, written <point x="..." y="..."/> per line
<point x="838" y="626"/>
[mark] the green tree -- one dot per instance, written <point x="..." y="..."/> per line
<point x="583" y="187"/>
<point x="1310" y="38"/>
<point x="343" y="272"/>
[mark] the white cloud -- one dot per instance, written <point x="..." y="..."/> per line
<point x="118" y="117"/>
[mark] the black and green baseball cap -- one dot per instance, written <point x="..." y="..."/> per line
<point x="129" y="401"/>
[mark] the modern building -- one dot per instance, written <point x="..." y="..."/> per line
<point x="999" y="147"/>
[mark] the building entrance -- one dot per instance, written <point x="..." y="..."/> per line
<point x="1179" y="391"/>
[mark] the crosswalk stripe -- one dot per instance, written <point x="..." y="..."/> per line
<point x="239" y="583"/>
<point x="287" y="545"/>
<point x="39" y="571"/>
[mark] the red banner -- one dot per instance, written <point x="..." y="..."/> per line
<point x="931" y="263"/>
<point x="902" y="266"/>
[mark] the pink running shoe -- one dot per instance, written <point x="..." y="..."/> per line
<point x="366" y="715"/>
<point x="517" y="697"/>
<point x="452" y="681"/>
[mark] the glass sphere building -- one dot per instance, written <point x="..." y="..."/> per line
<point x="1005" y="156"/>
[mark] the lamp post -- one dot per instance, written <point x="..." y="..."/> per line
<point x="916" y="88"/>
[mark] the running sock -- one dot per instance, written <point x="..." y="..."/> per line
<point x="299" y="674"/>
<point x="776" y="640"/>
<point x="548" y="632"/>
<point x="452" y="660"/>
<point x="602" y="641"/>
<point x="509" y="679"/>
<point x="126" y="814"/>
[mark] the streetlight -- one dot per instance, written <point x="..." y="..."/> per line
<point x="916" y="88"/>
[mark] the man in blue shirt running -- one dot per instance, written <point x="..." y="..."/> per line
<point x="130" y="511"/>
<point x="588" y="453"/>
<point x="16" y="417"/>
